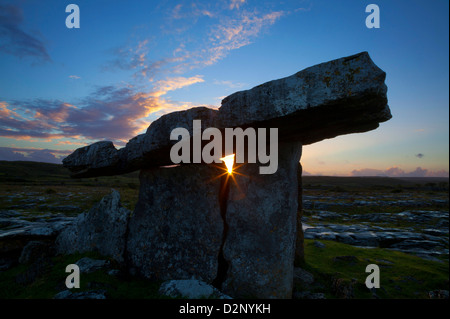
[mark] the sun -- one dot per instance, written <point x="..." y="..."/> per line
<point x="229" y="162"/>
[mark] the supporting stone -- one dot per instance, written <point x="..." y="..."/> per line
<point x="261" y="217"/>
<point x="176" y="229"/>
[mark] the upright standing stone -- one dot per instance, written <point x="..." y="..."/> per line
<point x="261" y="238"/>
<point x="176" y="229"/>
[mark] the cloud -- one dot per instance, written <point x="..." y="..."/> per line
<point x="230" y="84"/>
<point x="31" y="154"/>
<point x="223" y="32"/>
<point x="305" y="173"/>
<point x="236" y="32"/>
<point x="170" y="84"/>
<point x="14" y="40"/>
<point x="235" y="4"/>
<point x="398" y="172"/>
<point x="420" y="155"/>
<point x="190" y="11"/>
<point x="176" y="11"/>
<point x="136" y="59"/>
<point x="118" y="113"/>
<point x="109" y="113"/>
<point x="126" y="58"/>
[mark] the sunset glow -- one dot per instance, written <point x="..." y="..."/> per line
<point x="131" y="62"/>
<point x="229" y="162"/>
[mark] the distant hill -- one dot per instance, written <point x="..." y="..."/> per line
<point x="37" y="172"/>
<point x="41" y="173"/>
<point x="21" y="171"/>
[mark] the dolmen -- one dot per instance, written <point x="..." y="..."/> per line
<point x="236" y="229"/>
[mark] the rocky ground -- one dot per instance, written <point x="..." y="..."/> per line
<point x="409" y="221"/>
<point x="418" y="226"/>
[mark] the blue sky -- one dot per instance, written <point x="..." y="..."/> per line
<point x="133" y="61"/>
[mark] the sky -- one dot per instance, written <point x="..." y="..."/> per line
<point x="132" y="61"/>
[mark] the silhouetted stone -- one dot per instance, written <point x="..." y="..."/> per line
<point x="153" y="147"/>
<point x="100" y="158"/>
<point x="176" y="229"/>
<point x="343" y="96"/>
<point x="261" y="217"/>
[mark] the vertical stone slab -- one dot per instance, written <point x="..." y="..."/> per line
<point x="176" y="229"/>
<point x="262" y="228"/>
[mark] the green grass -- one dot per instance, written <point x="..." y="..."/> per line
<point x="401" y="275"/>
<point x="52" y="281"/>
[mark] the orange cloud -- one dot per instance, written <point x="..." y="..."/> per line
<point x="69" y="143"/>
<point x="398" y="172"/>
<point x="170" y="84"/>
<point x="6" y="112"/>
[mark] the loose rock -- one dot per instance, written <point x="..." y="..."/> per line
<point x="103" y="229"/>
<point x="191" y="289"/>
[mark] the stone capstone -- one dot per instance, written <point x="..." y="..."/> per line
<point x="100" y="157"/>
<point x="343" y="96"/>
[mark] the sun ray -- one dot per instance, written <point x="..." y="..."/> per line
<point x="229" y="162"/>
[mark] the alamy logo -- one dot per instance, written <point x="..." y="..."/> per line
<point x="373" y="280"/>
<point x="373" y="19"/>
<point x="256" y="140"/>
<point x="73" y="19"/>
<point x="73" y="280"/>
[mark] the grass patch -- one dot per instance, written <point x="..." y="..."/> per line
<point x="52" y="280"/>
<point x="402" y="276"/>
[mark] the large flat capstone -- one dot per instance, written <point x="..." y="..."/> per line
<point x="343" y="96"/>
